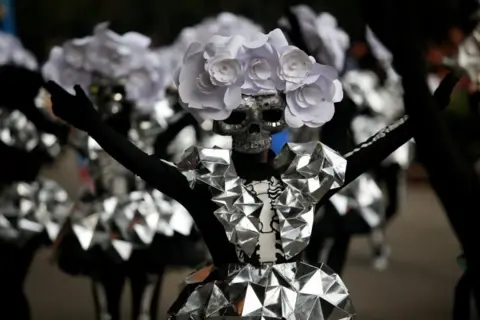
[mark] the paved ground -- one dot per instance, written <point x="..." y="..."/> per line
<point x="417" y="286"/>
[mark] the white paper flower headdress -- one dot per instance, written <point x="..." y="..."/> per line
<point x="324" y="38"/>
<point x="215" y="75"/>
<point x="125" y="59"/>
<point x="13" y="52"/>
<point x="225" y="24"/>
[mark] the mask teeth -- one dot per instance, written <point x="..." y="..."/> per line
<point x="251" y="146"/>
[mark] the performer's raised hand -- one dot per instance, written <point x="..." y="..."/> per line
<point x="76" y="109"/>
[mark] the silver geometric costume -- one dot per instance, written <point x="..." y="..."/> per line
<point x="127" y="213"/>
<point x="294" y="290"/>
<point x="29" y="208"/>
<point x="271" y="290"/>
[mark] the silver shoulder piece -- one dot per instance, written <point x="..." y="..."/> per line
<point x="307" y="170"/>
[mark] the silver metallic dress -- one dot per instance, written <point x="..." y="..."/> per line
<point x="269" y="222"/>
<point x="122" y="213"/>
<point x="30" y="208"/>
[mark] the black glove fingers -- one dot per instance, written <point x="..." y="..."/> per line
<point x="80" y="93"/>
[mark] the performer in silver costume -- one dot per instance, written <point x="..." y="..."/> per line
<point x="254" y="211"/>
<point x="120" y="224"/>
<point x="31" y="208"/>
<point x="344" y="216"/>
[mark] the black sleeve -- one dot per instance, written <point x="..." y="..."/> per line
<point x="43" y="123"/>
<point x="370" y="153"/>
<point x="158" y="174"/>
<point x="171" y="182"/>
<point x="336" y="133"/>
<point x="19" y="165"/>
<point x="163" y="139"/>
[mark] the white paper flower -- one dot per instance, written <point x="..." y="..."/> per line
<point x="13" y="52"/>
<point x="214" y="77"/>
<point x="75" y="52"/>
<point x="324" y="38"/>
<point x="58" y="70"/>
<point x="334" y="39"/>
<point x="146" y="85"/>
<point x="261" y="62"/>
<point x="210" y="80"/>
<point x="115" y="55"/>
<point x="313" y="104"/>
<point x="307" y="20"/>
<point x="123" y="58"/>
<point x="225" y="24"/>
<point x="296" y="68"/>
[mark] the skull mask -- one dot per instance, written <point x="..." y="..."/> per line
<point x="253" y="122"/>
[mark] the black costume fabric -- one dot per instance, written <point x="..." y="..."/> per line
<point x="20" y="165"/>
<point x="338" y="135"/>
<point x="146" y="264"/>
<point x="452" y="178"/>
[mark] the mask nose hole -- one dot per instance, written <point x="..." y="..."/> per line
<point x="254" y="128"/>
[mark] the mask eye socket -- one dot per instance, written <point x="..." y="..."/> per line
<point x="272" y="115"/>
<point x="236" y="118"/>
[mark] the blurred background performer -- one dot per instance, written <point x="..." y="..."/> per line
<point x="360" y="208"/>
<point x="121" y="228"/>
<point x="29" y="141"/>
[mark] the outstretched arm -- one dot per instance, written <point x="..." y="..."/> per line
<point x="43" y="123"/>
<point x="453" y="179"/>
<point x="370" y="153"/>
<point x="79" y="111"/>
<point x="20" y="165"/>
<point x="12" y="78"/>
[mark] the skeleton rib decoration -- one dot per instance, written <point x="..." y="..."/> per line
<point x="255" y="212"/>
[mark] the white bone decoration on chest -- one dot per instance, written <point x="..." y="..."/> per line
<point x="272" y="219"/>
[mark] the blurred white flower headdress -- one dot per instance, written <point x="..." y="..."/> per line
<point x="125" y="59"/>
<point x="324" y="38"/>
<point x="13" y="52"/>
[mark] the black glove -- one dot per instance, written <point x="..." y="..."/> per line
<point x="75" y="109"/>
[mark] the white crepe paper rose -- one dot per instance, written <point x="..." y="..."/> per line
<point x="225" y="24"/>
<point x="75" y="52"/>
<point x="260" y="62"/>
<point x="13" y="52"/>
<point x="60" y="71"/>
<point x="146" y="85"/>
<point x="324" y="38"/>
<point x="296" y="68"/>
<point x="210" y="80"/>
<point x="313" y="104"/>
<point x="334" y="41"/>
<point x="115" y="55"/>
